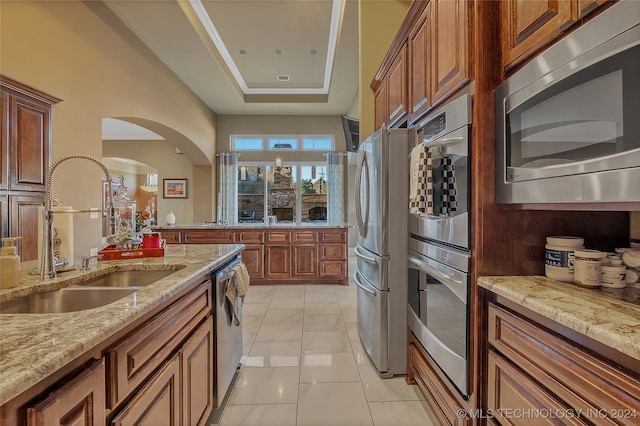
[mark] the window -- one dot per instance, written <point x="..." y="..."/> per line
<point x="282" y="142"/>
<point x="291" y="193"/>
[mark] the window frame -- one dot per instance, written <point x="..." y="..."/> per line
<point x="299" y="144"/>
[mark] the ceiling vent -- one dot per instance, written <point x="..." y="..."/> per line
<point x="283" y="77"/>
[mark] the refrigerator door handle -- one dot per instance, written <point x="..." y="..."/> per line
<point x="362" y="222"/>
<point x="364" y="257"/>
<point x="359" y="283"/>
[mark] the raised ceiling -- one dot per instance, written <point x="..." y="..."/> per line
<point x="231" y="52"/>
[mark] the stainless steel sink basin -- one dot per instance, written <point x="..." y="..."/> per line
<point x="70" y="299"/>
<point x="134" y="278"/>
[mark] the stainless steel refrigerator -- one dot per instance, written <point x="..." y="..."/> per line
<point x="381" y="276"/>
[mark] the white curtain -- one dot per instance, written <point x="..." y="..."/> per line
<point x="335" y="190"/>
<point x="228" y="188"/>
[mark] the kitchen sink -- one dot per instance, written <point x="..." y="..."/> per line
<point x="70" y="299"/>
<point x="92" y="293"/>
<point x="129" y="278"/>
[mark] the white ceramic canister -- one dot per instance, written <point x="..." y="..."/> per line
<point x="559" y="257"/>
<point x="587" y="268"/>
<point x="613" y="276"/>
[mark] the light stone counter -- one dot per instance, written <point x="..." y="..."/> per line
<point x="245" y="225"/>
<point x="33" y="346"/>
<point x="613" y="322"/>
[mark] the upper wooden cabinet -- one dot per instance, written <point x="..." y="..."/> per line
<point x="419" y="67"/>
<point x="450" y="45"/>
<point x="428" y="61"/>
<point x="397" y="83"/>
<point x="528" y="25"/>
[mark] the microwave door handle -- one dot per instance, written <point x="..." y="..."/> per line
<point x="446" y="141"/>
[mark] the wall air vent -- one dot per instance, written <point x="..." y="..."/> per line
<point x="282" y="77"/>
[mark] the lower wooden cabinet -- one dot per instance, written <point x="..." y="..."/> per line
<point x="157" y="402"/>
<point x="444" y="404"/>
<point x="281" y="255"/>
<point x="197" y="374"/>
<point x="81" y="401"/>
<point x="530" y="368"/>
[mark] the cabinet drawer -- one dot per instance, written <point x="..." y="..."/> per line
<point x="510" y="390"/>
<point x="333" y="236"/>
<point x="248" y="237"/>
<point x="580" y="379"/>
<point x="333" y="252"/>
<point x="133" y="359"/>
<point x="333" y="268"/>
<point x="304" y="237"/>
<point x="278" y="237"/>
<point x="213" y="236"/>
<point x="172" y="237"/>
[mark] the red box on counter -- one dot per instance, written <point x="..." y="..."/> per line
<point x="110" y="252"/>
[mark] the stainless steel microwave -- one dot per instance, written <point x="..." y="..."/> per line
<point x="568" y="122"/>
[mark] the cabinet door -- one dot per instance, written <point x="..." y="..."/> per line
<point x="397" y="89"/>
<point x="509" y="390"/>
<point x="4" y="138"/>
<point x="28" y="144"/>
<point x="420" y="63"/>
<point x="4" y="215"/>
<point x="528" y="25"/>
<point x="252" y="257"/>
<point x="157" y="402"/>
<point x="172" y="237"/>
<point x="24" y="222"/>
<point x="305" y="261"/>
<point x="381" y="105"/>
<point x="209" y="236"/>
<point x="585" y="7"/>
<point x="450" y="44"/>
<point x="277" y="261"/>
<point x="80" y="401"/>
<point x="196" y="360"/>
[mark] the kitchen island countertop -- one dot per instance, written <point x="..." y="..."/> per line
<point x="245" y="225"/>
<point x="33" y="346"/>
<point x="603" y="318"/>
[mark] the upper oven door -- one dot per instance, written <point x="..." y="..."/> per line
<point x="574" y="109"/>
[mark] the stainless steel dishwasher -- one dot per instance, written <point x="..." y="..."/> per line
<point x="228" y="337"/>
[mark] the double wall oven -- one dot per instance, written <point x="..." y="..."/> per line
<point x="439" y="242"/>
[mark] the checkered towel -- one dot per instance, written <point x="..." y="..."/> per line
<point x="449" y="192"/>
<point x="420" y="181"/>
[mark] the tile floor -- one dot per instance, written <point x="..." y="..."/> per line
<point x="303" y="364"/>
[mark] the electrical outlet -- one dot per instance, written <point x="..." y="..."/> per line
<point x="94" y="215"/>
<point x="93" y="252"/>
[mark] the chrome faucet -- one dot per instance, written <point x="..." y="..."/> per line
<point x="47" y="268"/>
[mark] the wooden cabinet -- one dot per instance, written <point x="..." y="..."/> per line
<point x="25" y="121"/>
<point x="419" y="66"/>
<point x="280" y="255"/>
<point x="450" y="46"/>
<point x="397" y="92"/>
<point x="585" y="7"/>
<point x="532" y="368"/>
<point x="80" y="401"/>
<point x="381" y="107"/>
<point x="529" y="25"/>
<point x="197" y="374"/>
<point x="205" y="236"/>
<point x="157" y="402"/>
<point x="440" y="397"/>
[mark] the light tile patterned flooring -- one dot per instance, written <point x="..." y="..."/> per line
<point x="303" y="364"/>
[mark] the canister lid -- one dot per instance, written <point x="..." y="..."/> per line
<point x="589" y="254"/>
<point x="565" y="241"/>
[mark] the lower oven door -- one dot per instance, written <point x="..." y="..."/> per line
<point x="373" y="311"/>
<point x="438" y="315"/>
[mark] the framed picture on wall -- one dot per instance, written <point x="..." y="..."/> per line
<point x="174" y="188"/>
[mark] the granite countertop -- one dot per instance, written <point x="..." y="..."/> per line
<point x="606" y="319"/>
<point x="33" y="346"/>
<point x="245" y="225"/>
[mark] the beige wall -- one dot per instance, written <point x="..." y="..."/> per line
<point x="379" y="22"/>
<point x="69" y="49"/>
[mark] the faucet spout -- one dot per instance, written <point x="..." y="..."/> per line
<point x="47" y="268"/>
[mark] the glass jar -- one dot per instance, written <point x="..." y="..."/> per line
<point x="587" y="268"/>
<point x="124" y="213"/>
<point x="559" y="257"/>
